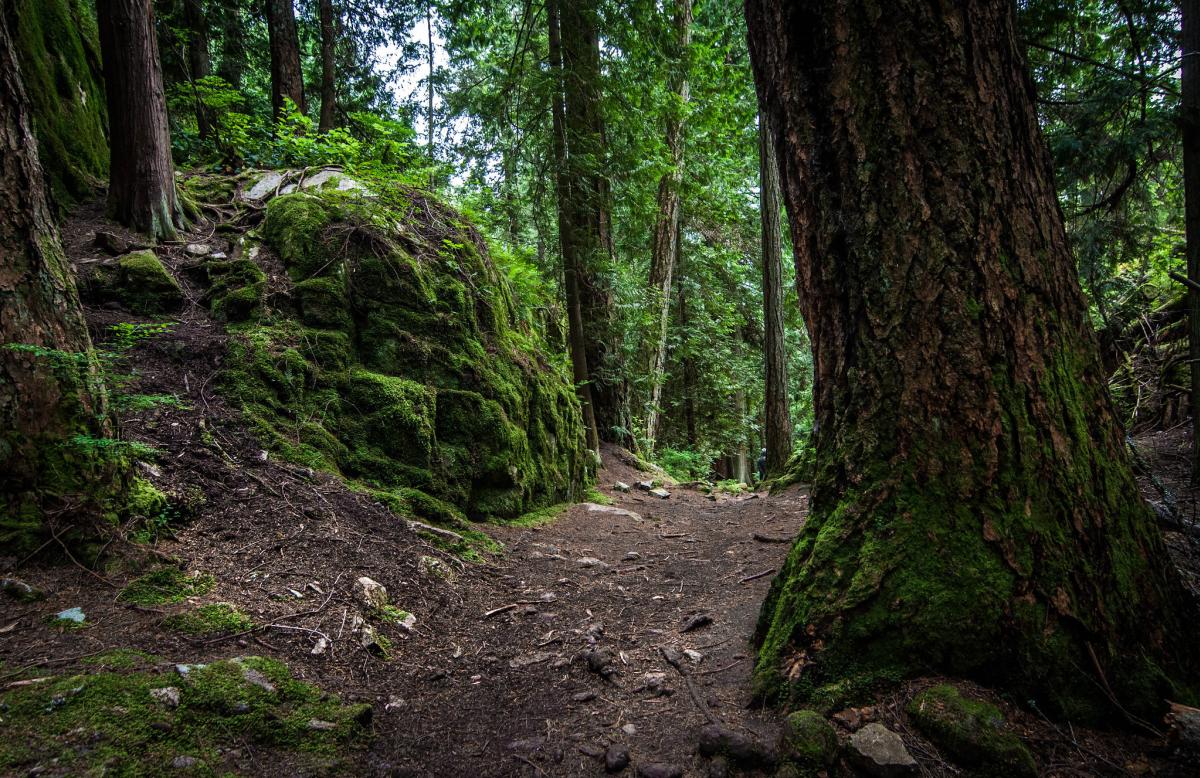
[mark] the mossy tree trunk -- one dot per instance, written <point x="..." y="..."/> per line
<point x="287" y="74"/>
<point x="141" y="191"/>
<point x="973" y="509"/>
<point x="48" y="397"/>
<point x="777" y="421"/>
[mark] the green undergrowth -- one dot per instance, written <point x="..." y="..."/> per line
<point x="112" y="723"/>
<point x="398" y="359"/>
<point x="213" y="619"/>
<point x="165" y="586"/>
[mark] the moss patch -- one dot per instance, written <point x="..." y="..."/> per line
<point x="138" y="281"/>
<point x="112" y="723"/>
<point x="973" y="731"/>
<point x="809" y="740"/>
<point x="166" y="585"/>
<point x="214" y="619"/>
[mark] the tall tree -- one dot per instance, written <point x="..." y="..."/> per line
<point x="777" y="423"/>
<point x="141" y="192"/>
<point x="233" y="43"/>
<point x="43" y="402"/>
<point x="664" y="249"/>
<point x="287" y="74"/>
<point x="328" y="76"/>
<point x="576" y="336"/>
<point x="198" y="59"/>
<point x="973" y="508"/>
<point x="1190" y="105"/>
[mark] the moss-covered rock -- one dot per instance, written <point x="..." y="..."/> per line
<point x="972" y="731"/>
<point x="213" y="619"/>
<point x="139" y="282"/>
<point x="402" y="364"/>
<point x="59" y="51"/>
<point x="166" y="585"/>
<point x="150" y="723"/>
<point x="809" y="740"/>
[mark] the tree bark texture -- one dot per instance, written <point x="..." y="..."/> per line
<point x="973" y="508"/>
<point x="576" y="338"/>
<point x="233" y="43"/>
<point x="44" y="400"/>
<point x="141" y="192"/>
<point x="1190" y="105"/>
<point x="287" y="75"/>
<point x="328" y="49"/>
<point x="583" y="138"/>
<point x="777" y="426"/>
<point x="199" y="62"/>
<point x="664" y="248"/>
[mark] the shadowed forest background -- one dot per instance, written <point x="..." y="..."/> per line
<point x="556" y="388"/>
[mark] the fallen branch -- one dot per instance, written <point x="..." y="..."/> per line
<point x="763" y="538"/>
<point x="501" y="609"/>
<point x="756" y="576"/>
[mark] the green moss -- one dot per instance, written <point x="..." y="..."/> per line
<point x="145" y="499"/>
<point x="121" y="659"/>
<point x="541" y="516"/>
<point x="236" y="289"/>
<point x="972" y="731"/>
<point x="214" y="619"/>
<point x="139" y="281"/>
<point x="809" y="740"/>
<point x="111" y="723"/>
<point x="166" y="585"/>
<point x="59" y="52"/>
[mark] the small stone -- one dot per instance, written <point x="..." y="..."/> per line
<point x="168" y="695"/>
<point x="591" y="561"/>
<point x="394" y="703"/>
<point x="660" y="493"/>
<point x="673" y="655"/>
<point x="645" y="486"/>
<point x="184" y="762"/>
<point x="255" y="678"/>
<point x="530" y="659"/>
<point x="616" y="758"/>
<point x="620" y="486"/>
<point x="584" y="697"/>
<point x="110" y="243"/>
<point x="694" y="656"/>
<point x="322" y="645"/>
<point x="722" y="740"/>
<point x="184" y="670"/>
<point x="198" y="249"/>
<point x="160" y="726"/>
<point x="880" y="752"/>
<point x="71" y="614"/>
<point x="850" y="718"/>
<point x="631" y="556"/>
<point x="370" y="593"/>
<point x="321" y="726"/>
<point x="660" y="770"/>
<point x="369" y="640"/>
<point x="629" y="729"/>
<point x="526" y="744"/>
<point x="217" y="255"/>
<point x="696" y="622"/>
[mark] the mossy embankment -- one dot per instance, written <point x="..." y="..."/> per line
<point x="390" y="350"/>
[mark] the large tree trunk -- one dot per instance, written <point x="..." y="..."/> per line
<point x="233" y="43"/>
<point x="141" y="192"/>
<point x="328" y="48"/>
<point x="777" y="426"/>
<point x="566" y="234"/>
<point x="1190" y="86"/>
<point x="199" y="62"/>
<point x="287" y="75"/>
<point x="664" y="249"/>
<point x="583" y="134"/>
<point x="973" y="508"/>
<point x="45" y="398"/>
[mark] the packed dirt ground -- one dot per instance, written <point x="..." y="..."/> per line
<point x="621" y="625"/>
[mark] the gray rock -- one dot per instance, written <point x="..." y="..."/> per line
<point x="526" y="744"/>
<point x="184" y="762"/>
<point x="184" y="670"/>
<point x="621" y="486"/>
<point x="264" y="186"/>
<point x="660" y="770"/>
<point x="369" y="640"/>
<point x="591" y="561"/>
<point x="168" y="695"/>
<point x="1184" y="723"/>
<point x="584" y="696"/>
<point x="198" y="249"/>
<point x="255" y="678"/>
<point x="645" y="486"/>
<point x="530" y="659"/>
<point x="616" y="758"/>
<point x="629" y="729"/>
<point x="878" y="751"/>
<point x="19" y="590"/>
<point x="612" y="510"/>
<point x="370" y="593"/>
<point x="444" y="534"/>
<point x="660" y="493"/>
<point x="110" y="243"/>
<point x="632" y="556"/>
<point x="75" y="615"/>
<point x="321" y="726"/>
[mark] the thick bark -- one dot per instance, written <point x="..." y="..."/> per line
<point x="583" y="137"/>
<point x="777" y="423"/>
<point x="566" y="235"/>
<point x="199" y="62"/>
<point x="973" y="508"/>
<point x="141" y="192"/>
<point x="44" y="401"/>
<point x="233" y="43"/>
<point x="328" y="48"/>
<point x="664" y="249"/>
<point x="287" y="75"/>
<point x="1190" y="88"/>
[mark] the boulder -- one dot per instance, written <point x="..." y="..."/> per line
<point x="1183" y="724"/>
<point x="138" y="281"/>
<point x="616" y="758"/>
<point x="878" y="751"/>
<point x="972" y="731"/>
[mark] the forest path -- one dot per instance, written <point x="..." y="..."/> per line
<point x="523" y="697"/>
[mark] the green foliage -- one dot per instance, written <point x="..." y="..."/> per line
<point x="166" y="585"/>
<point x="683" y="465"/>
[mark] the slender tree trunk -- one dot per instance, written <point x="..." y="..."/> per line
<point x="44" y="401"/>
<point x="141" y="192"/>
<point x="429" y="84"/>
<point x="583" y="135"/>
<point x="199" y="62"/>
<point x="1190" y="85"/>
<point x="688" y="365"/>
<point x="566" y="233"/>
<point x="973" y="508"/>
<point x="777" y="426"/>
<point x="287" y="75"/>
<point x="233" y="43"/>
<point x="741" y="455"/>
<point x="328" y="49"/>
<point x="664" y="249"/>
